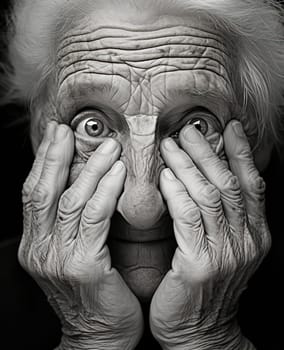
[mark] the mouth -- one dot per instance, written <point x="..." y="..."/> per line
<point x="142" y="256"/>
<point x="121" y="230"/>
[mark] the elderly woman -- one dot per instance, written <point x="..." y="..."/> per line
<point x="151" y="122"/>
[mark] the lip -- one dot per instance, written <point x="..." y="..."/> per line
<point x="120" y="229"/>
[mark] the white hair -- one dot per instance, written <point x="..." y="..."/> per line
<point x="254" y="26"/>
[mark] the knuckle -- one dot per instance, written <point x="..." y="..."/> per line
<point x="94" y="212"/>
<point x="243" y="152"/>
<point x="189" y="212"/>
<point x="40" y="195"/>
<point x="26" y="191"/>
<point x="27" y="188"/>
<point x="52" y="156"/>
<point x="257" y="184"/>
<point x="231" y="193"/>
<point x="209" y="195"/>
<point x="186" y="164"/>
<point x="231" y="184"/>
<point x="69" y="202"/>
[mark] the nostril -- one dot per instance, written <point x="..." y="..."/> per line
<point x="141" y="206"/>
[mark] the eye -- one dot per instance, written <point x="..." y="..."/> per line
<point x="204" y="121"/>
<point x="91" y="123"/>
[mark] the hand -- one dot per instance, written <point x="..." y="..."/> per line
<point x="222" y="236"/>
<point x="64" y="244"/>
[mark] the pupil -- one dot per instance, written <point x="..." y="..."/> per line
<point x="94" y="127"/>
<point x="198" y="126"/>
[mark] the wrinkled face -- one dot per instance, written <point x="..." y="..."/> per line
<point x="139" y="83"/>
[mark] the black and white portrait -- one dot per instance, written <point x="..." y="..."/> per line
<point x="141" y="156"/>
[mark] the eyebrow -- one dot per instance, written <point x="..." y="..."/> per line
<point x="79" y="100"/>
<point x="211" y="96"/>
<point x="99" y="89"/>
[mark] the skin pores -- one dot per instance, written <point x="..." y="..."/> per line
<point x="138" y="84"/>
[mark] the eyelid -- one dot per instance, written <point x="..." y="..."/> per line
<point x="200" y="110"/>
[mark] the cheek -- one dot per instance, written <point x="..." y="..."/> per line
<point x="217" y="144"/>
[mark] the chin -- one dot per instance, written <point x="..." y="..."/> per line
<point x="142" y="256"/>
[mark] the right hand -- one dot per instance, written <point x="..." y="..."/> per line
<point x="64" y="244"/>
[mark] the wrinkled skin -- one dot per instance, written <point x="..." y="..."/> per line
<point x="83" y="230"/>
<point x="222" y="236"/>
<point x="65" y="250"/>
<point x="144" y="82"/>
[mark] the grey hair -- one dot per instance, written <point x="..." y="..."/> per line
<point x="254" y="26"/>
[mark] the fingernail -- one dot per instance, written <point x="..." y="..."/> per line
<point x="170" y="145"/>
<point x="168" y="174"/>
<point x="191" y="134"/>
<point x="60" y="133"/>
<point x="108" y="146"/>
<point x="238" y="129"/>
<point x="117" y="168"/>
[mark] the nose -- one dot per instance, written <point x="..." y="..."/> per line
<point x="141" y="203"/>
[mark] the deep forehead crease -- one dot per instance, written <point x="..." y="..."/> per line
<point x="170" y="48"/>
<point x="139" y="33"/>
<point x="174" y="41"/>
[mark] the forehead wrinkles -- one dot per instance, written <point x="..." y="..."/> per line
<point x="157" y="51"/>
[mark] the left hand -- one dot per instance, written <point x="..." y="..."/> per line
<point x="220" y="227"/>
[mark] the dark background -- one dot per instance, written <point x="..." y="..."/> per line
<point x="26" y="320"/>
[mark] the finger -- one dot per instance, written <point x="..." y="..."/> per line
<point x="189" y="232"/>
<point x="242" y="165"/>
<point x="35" y="172"/>
<point x="205" y="195"/>
<point x="31" y="182"/>
<point x="95" y="221"/>
<point x="52" y="180"/>
<point x="216" y="172"/>
<point x="74" y="199"/>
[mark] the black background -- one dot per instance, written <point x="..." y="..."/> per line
<point x="26" y="320"/>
